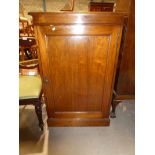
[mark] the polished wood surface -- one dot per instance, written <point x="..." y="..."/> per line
<point x="27" y="48"/>
<point x="56" y="18"/>
<point x="125" y="76"/>
<point x="27" y="41"/>
<point x="78" y="55"/>
<point x="125" y="82"/>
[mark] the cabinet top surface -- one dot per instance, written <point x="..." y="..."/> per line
<point x="40" y="18"/>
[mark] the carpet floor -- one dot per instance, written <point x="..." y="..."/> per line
<point x="117" y="139"/>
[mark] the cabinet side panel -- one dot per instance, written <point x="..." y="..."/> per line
<point x="126" y="74"/>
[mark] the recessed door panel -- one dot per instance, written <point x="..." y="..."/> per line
<point x="77" y="69"/>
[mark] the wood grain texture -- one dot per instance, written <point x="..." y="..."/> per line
<point x="48" y="18"/>
<point x="78" y="122"/>
<point x="77" y="75"/>
<point x="78" y="64"/>
<point x="126" y="77"/>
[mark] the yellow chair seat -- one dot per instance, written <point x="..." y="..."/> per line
<point x="29" y="87"/>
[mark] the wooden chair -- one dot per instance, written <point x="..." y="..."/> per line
<point x="27" y="48"/>
<point x="30" y="88"/>
<point x="25" y="29"/>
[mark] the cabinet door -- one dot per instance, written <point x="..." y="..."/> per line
<point x="78" y="63"/>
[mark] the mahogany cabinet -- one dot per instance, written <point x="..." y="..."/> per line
<point x="124" y="87"/>
<point x="125" y="79"/>
<point x="78" y="55"/>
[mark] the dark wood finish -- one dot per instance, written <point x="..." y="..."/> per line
<point x="101" y="6"/>
<point x="38" y="110"/>
<point x="27" y="53"/>
<point x="65" y="18"/>
<point x="113" y="111"/>
<point x="78" y="55"/>
<point x="78" y="122"/>
<point x="27" y="48"/>
<point x="126" y="75"/>
<point x="27" y="41"/>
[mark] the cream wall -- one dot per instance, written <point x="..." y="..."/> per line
<point x="51" y="5"/>
<point x="54" y="5"/>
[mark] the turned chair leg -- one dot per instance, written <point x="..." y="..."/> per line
<point x="113" y="111"/>
<point x="38" y="110"/>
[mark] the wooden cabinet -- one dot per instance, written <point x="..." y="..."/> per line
<point x="125" y="80"/>
<point x="125" y="76"/>
<point x="78" y="55"/>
